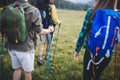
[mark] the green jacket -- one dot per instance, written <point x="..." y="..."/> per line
<point x="84" y="33"/>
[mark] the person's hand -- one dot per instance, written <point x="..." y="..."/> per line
<point x="60" y="22"/>
<point x="51" y="28"/>
<point x="76" y="55"/>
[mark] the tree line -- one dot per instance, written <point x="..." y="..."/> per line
<point x="61" y="4"/>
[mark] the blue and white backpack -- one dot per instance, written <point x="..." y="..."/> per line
<point x="104" y="34"/>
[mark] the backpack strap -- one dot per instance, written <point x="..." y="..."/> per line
<point x="23" y="5"/>
<point x="15" y="24"/>
<point x="92" y="60"/>
<point x="3" y="21"/>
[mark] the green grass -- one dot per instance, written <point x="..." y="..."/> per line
<point x="64" y="66"/>
<point x="70" y="28"/>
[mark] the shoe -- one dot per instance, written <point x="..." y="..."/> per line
<point x="40" y="61"/>
<point x="47" y="56"/>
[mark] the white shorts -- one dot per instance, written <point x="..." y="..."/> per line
<point x="22" y="59"/>
<point x="45" y="38"/>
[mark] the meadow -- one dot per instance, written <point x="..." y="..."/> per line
<point x="62" y="64"/>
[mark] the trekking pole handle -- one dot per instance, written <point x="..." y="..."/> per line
<point x="60" y="23"/>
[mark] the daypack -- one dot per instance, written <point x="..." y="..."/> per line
<point x="13" y="23"/>
<point x="44" y="7"/>
<point x="104" y="32"/>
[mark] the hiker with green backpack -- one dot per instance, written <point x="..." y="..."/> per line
<point x="99" y="34"/>
<point x="20" y="22"/>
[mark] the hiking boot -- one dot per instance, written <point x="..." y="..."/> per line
<point x="40" y="61"/>
<point x="47" y="56"/>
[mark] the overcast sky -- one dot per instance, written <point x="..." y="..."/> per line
<point x="76" y="1"/>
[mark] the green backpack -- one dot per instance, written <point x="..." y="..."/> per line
<point x="14" y="24"/>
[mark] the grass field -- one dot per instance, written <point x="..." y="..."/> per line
<point x="63" y="66"/>
<point x="69" y="31"/>
<point x="64" y="61"/>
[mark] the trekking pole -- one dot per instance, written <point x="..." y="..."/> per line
<point x="2" y="55"/>
<point x="56" y="40"/>
<point x="48" y="55"/>
<point x="49" y="49"/>
<point x="115" y="63"/>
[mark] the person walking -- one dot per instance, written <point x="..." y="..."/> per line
<point x="84" y="39"/>
<point x="49" y="18"/>
<point x="22" y="55"/>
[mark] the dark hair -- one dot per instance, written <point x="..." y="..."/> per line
<point x="52" y="1"/>
<point x="43" y="2"/>
<point x="118" y="4"/>
<point x="99" y="4"/>
<point x="4" y="3"/>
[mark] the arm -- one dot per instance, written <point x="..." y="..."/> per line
<point x="83" y="33"/>
<point x="37" y="22"/>
<point x="47" y="31"/>
<point x="54" y="14"/>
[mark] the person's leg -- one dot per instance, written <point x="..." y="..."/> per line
<point x="41" y="48"/>
<point x="28" y="75"/>
<point x="22" y="60"/>
<point x="100" y="68"/>
<point x="87" y="74"/>
<point x="47" y="48"/>
<point x="27" y="61"/>
<point x="16" y="65"/>
<point x="40" y="59"/>
<point x="17" y="74"/>
<point x="42" y="43"/>
<point x="28" y="65"/>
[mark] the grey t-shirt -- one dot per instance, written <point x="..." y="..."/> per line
<point x="34" y="25"/>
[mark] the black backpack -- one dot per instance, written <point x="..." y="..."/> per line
<point x="44" y="7"/>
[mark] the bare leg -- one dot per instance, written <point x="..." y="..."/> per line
<point x="40" y="61"/>
<point x="17" y="74"/>
<point x="28" y="76"/>
<point x="41" y="49"/>
<point x="47" y="49"/>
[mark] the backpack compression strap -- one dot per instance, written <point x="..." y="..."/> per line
<point x="15" y="24"/>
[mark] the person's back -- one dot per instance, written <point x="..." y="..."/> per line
<point x="93" y="65"/>
<point x="44" y="8"/>
<point x="22" y="54"/>
<point x="50" y="11"/>
<point x="26" y="49"/>
<point x="31" y="16"/>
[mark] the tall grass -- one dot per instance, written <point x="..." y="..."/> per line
<point x="63" y="66"/>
